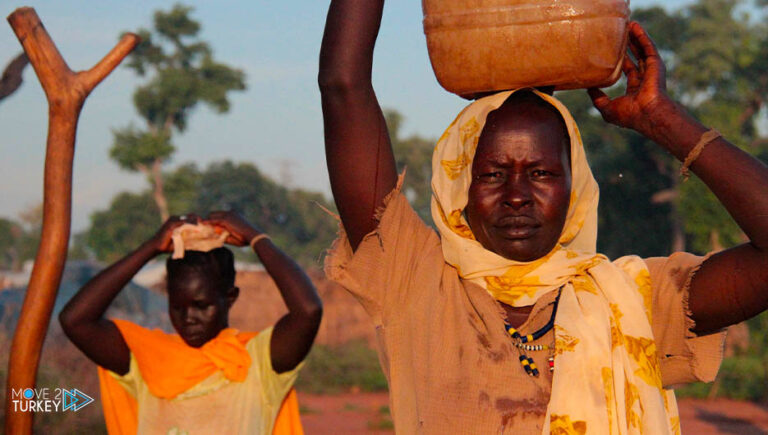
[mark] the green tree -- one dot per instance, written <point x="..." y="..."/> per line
<point x="718" y="68"/>
<point x="182" y="73"/>
<point x="713" y="62"/>
<point x="181" y="186"/>
<point x="413" y="154"/>
<point x="11" y="237"/>
<point x="292" y="217"/>
<point x="633" y="173"/>
<point x="130" y="220"/>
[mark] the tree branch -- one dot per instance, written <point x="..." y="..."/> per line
<point x="95" y="75"/>
<point x="12" y="77"/>
<point x="66" y="92"/>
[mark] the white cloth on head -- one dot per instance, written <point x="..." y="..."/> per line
<point x="196" y="237"/>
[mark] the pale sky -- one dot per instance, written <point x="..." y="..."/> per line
<point x="276" y="121"/>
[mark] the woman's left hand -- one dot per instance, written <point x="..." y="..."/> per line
<point x="240" y="231"/>
<point x="646" y="99"/>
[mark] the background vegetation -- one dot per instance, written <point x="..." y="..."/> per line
<point x="717" y="57"/>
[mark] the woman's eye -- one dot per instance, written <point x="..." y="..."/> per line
<point x="540" y="173"/>
<point x="491" y="176"/>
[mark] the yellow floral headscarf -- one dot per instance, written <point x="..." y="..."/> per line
<point x="607" y="379"/>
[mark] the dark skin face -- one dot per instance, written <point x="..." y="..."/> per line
<point x="521" y="183"/>
<point x="730" y="286"/>
<point x="198" y="309"/>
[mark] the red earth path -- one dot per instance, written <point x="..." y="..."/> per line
<point x="368" y="413"/>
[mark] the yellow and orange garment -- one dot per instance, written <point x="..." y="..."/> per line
<point x="608" y="378"/>
<point x="225" y="386"/>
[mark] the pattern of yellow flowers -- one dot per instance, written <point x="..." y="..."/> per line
<point x="642" y="350"/>
<point x="453" y="168"/>
<point x="607" y="374"/>
<point x="674" y="422"/>
<point x="675" y="425"/>
<point x="632" y="397"/>
<point x="590" y="285"/>
<point x="643" y="281"/>
<point x="456" y="223"/>
<point x="470" y="131"/>
<point x="563" y="341"/>
<point x="562" y="425"/>
<point x="583" y="283"/>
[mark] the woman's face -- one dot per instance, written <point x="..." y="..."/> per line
<point x="198" y="310"/>
<point x="521" y="183"/>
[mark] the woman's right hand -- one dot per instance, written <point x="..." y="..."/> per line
<point x="241" y="232"/>
<point x="162" y="239"/>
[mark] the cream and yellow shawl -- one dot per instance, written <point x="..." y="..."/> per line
<point x="607" y="378"/>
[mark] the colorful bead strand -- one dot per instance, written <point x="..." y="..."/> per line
<point x="521" y="342"/>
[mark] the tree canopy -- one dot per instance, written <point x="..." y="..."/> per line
<point x="294" y="218"/>
<point x="182" y="73"/>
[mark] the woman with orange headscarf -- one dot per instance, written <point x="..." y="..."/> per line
<point x="208" y="378"/>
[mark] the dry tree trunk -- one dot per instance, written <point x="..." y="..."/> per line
<point x="66" y="92"/>
<point x="158" y="192"/>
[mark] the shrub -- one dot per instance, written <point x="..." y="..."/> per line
<point x="334" y="369"/>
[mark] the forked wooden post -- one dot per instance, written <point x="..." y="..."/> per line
<point x="66" y="92"/>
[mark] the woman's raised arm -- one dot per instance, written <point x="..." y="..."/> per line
<point x="294" y="333"/>
<point x="82" y="319"/>
<point x="732" y="285"/>
<point x="358" y="151"/>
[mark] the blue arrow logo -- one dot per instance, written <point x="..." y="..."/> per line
<point x="75" y="400"/>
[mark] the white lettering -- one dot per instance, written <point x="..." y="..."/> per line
<point x="23" y="406"/>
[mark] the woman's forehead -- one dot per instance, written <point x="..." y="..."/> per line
<point x="192" y="286"/>
<point x="525" y="123"/>
<point x="523" y="142"/>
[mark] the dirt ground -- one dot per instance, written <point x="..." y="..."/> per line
<point x="368" y="413"/>
<point x="722" y="416"/>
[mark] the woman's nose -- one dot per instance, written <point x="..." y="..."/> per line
<point x="190" y="315"/>
<point x="517" y="192"/>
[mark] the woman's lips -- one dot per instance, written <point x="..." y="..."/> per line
<point x="517" y="232"/>
<point x="517" y="227"/>
<point x="193" y="335"/>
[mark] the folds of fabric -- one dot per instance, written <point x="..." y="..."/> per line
<point x="288" y="421"/>
<point x="120" y="408"/>
<point x="196" y="237"/>
<point x="607" y="378"/>
<point x="180" y="368"/>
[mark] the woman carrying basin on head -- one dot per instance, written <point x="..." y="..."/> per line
<point x="508" y="320"/>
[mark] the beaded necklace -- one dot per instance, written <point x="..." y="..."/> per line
<point x="521" y="342"/>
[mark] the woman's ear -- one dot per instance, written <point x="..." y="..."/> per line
<point x="232" y="295"/>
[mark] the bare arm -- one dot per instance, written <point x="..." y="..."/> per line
<point x="731" y="286"/>
<point x="82" y="319"/>
<point x="294" y="333"/>
<point x="358" y="150"/>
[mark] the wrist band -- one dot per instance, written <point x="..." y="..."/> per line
<point x="705" y="139"/>
<point x="256" y="239"/>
